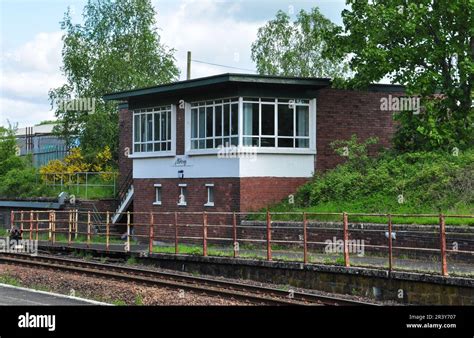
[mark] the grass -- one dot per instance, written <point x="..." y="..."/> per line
<point x="6" y="279"/>
<point x="132" y="261"/>
<point x="91" y="192"/>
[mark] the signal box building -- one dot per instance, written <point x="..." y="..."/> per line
<point x="236" y="142"/>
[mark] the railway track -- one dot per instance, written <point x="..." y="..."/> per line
<point x="243" y="291"/>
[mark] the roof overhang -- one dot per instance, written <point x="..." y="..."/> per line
<point x="220" y="82"/>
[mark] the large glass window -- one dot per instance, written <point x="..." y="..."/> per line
<point x="282" y="123"/>
<point x="214" y="124"/>
<point x="152" y="129"/>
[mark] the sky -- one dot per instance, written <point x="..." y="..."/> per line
<point x="216" y="31"/>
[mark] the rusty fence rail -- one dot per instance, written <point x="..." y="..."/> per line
<point x="172" y="229"/>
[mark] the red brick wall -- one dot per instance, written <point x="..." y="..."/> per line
<point x="226" y="197"/>
<point x="342" y="113"/>
<point x="259" y="192"/>
<point x="125" y="140"/>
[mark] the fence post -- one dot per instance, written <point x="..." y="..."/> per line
<point x="346" y="240"/>
<point x="442" y="238"/>
<point x="128" y="232"/>
<point x="88" y="228"/>
<point x="151" y="233"/>
<point x="31" y="225"/>
<point x="234" y="234"/>
<point x="390" y="251"/>
<point x="53" y="220"/>
<point x="69" y="235"/>
<point x="107" y="230"/>
<point x="21" y="221"/>
<point x="305" y="239"/>
<point x="37" y="224"/>
<point x="204" y="234"/>
<point x="76" y="224"/>
<point x="50" y="237"/>
<point x="12" y="219"/>
<point x="269" y="236"/>
<point x="176" y="247"/>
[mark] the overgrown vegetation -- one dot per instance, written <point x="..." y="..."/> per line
<point x="18" y="177"/>
<point x="417" y="182"/>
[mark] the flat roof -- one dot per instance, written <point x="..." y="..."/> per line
<point x="235" y="78"/>
<point x="217" y="79"/>
<point x="29" y="205"/>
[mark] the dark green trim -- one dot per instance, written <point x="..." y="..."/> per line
<point x="244" y="82"/>
<point x="216" y="80"/>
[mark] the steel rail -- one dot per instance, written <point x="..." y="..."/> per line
<point x="255" y="293"/>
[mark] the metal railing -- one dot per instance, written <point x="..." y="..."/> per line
<point x="299" y="238"/>
<point x="83" y="183"/>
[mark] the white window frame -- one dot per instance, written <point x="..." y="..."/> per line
<point x="209" y="187"/>
<point x="165" y="153"/>
<point x="182" y="191"/>
<point x="205" y="104"/>
<point x="158" y="188"/>
<point x="264" y="150"/>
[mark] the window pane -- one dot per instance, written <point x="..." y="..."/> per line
<point x="235" y="141"/>
<point x="302" y="121"/>
<point x="285" y="120"/>
<point x="302" y="143"/>
<point x="247" y="141"/>
<point x="218" y="116"/>
<point x="137" y="128"/>
<point x="210" y="194"/>
<point x="251" y="119"/>
<point x="149" y="122"/>
<point x="143" y="128"/>
<point x="194" y="123"/>
<point x="157" y="127"/>
<point x="267" y="142"/>
<point x="202" y="122"/>
<point x="226" y="120"/>
<point x="268" y="119"/>
<point x="163" y="126"/>
<point x="209" y="113"/>
<point x="168" y="122"/>
<point x="235" y="119"/>
<point x="158" y="194"/>
<point x="285" y="142"/>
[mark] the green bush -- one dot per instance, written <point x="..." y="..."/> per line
<point x="22" y="183"/>
<point x="417" y="182"/>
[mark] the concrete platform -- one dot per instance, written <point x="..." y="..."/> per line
<point x="14" y="295"/>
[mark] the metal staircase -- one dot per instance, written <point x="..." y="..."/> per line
<point x="125" y="195"/>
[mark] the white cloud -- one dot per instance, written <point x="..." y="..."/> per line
<point x="42" y="54"/>
<point x="23" y="112"/>
<point x="27" y="74"/>
<point x="211" y="35"/>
